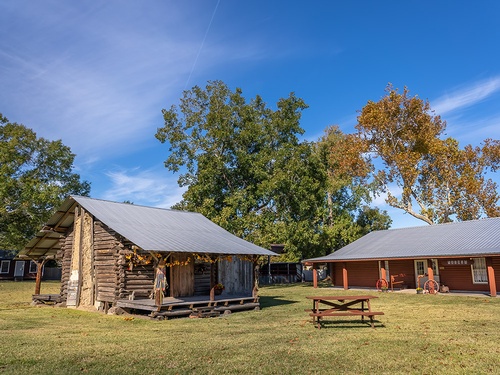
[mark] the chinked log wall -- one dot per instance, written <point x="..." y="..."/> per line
<point x="64" y="256"/>
<point x="112" y="278"/>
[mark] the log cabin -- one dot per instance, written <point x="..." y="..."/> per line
<point x="110" y="252"/>
<point x="463" y="256"/>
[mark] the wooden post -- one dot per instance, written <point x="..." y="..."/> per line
<point x="332" y="273"/>
<point x="345" y="279"/>
<point x="212" y="280"/>
<point x="315" y="275"/>
<point x="430" y="271"/>
<point x="39" y="267"/>
<point x="383" y="271"/>
<point x="255" y="265"/>
<point x="491" y="277"/>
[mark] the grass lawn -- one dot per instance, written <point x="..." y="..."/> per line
<point x="419" y="334"/>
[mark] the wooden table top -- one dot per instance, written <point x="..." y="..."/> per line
<point x="340" y="298"/>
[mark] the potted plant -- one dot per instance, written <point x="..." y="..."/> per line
<point x="218" y="288"/>
<point x="419" y="290"/>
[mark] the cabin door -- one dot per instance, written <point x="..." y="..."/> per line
<point x="421" y="270"/>
<point x="19" y="268"/>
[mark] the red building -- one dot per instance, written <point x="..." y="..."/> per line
<point x="464" y="256"/>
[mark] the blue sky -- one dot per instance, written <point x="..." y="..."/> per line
<point x="96" y="74"/>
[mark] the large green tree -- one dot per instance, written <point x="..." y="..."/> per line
<point x="439" y="181"/>
<point x="246" y="169"/>
<point x="35" y="177"/>
<point x="244" y="166"/>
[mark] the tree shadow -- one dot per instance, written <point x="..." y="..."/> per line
<point x="271" y="301"/>
<point x="349" y="324"/>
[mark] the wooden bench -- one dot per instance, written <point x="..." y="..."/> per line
<point x="322" y="314"/>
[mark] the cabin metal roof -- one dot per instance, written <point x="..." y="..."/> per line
<point x="458" y="239"/>
<point x="149" y="228"/>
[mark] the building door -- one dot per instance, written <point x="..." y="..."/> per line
<point x="19" y="269"/>
<point x="421" y="270"/>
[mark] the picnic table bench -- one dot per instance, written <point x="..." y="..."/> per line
<point x="342" y="306"/>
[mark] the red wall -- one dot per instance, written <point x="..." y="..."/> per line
<point x="363" y="274"/>
<point x="458" y="277"/>
<point x="403" y="266"/>
<point x="366" y="274"/>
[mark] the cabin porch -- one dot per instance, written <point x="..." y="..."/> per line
<point x="197" y="306"/>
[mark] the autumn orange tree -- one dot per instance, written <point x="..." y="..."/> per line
<point x="348" y="191"/>
<point x="438" y="180"/>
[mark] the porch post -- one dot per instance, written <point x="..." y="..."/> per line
<point x="315" y="275"/>
<point x="39" y="267"/>
<point x="430" y="272"/>
<point x="344" y="276"/>
<point x="383" y="271"/>
<point x="491" y="277"/>
<point x="212" y="279"/>
<point x="332" y="273"/>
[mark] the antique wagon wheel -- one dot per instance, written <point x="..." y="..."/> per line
<point x="381" y="283"/>
<point x="431" y="286"/>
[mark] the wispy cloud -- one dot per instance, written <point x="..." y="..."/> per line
<point x="97" y="77"/>
<point x="466" y="96"/>
<point x="143" y="187"/>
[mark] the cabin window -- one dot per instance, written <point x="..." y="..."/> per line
<point x="32" y="267"/>
<point x="421" y="266"/>
<point x="479" y="273"/>
<point x="5" y="266"/>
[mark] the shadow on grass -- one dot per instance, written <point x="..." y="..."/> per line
<point x="271" y="301"/>
<point x="341" y="324"/>
<point x="287" y="286"/>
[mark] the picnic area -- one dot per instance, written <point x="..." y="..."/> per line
<point x="417" y="334"/>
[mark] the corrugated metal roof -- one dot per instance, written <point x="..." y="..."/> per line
<point x="466" y="238"/>
<point x="151" y="229"/>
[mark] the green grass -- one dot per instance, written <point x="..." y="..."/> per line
<point x="419" y="334"/>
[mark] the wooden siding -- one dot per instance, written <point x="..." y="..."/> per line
<point x="405" y="267"/>
<point x="182" y="277"/>
<point x="236" y="275"/>
<point x="360" y="274"/>
<point x="459" y="277"/>
<point x="12" y="266"/>
<point x="496" y="267"/>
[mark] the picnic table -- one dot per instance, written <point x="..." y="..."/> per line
<point x="331" y="306"/>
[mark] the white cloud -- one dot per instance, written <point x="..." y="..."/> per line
<point x="466" y="96"/>
<point x="145" y="187"/>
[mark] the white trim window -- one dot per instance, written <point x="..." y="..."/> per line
<point x="5" y="266"/>
<point x="479" y="272"/>
<point x="32" y="267"/>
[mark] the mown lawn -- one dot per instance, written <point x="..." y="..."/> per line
<point x="419" y="334"/>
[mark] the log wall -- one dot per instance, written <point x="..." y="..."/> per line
<point x="137" y="281"/>
<point x="64" y="257"/>
<point x="106" y="263"/>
